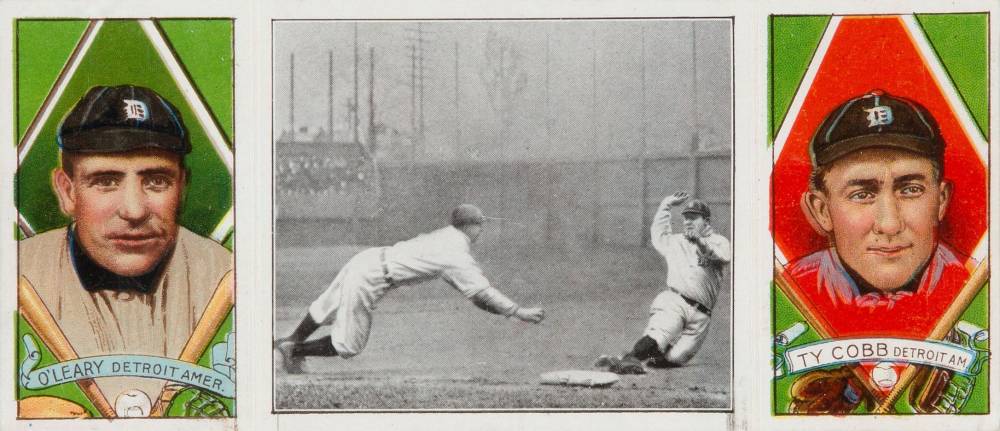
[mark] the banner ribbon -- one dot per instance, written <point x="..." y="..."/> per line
<point x="831" y="352"/>
<point x="153" y="367"/>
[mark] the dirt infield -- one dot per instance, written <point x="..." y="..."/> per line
<point x="432" y="349"/>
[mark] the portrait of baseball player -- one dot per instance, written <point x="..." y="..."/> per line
<point x="123" y="277"/>
<point x="348" y="303"/>
<point x="877" y="192"/>
<point x="680" y="315"/>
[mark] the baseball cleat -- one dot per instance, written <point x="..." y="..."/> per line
<point x="291" y="362"/>
<point x="604" y="361"/>
<point x="660" y="362"/>
<point x="625" y="365"/>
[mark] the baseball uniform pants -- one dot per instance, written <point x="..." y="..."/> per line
<point x="348" y="302"/>
<point x="676" y="323"/>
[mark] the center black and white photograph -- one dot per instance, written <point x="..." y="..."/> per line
<point x="502" y="215"/>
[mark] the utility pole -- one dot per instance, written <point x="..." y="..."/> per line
<point x="593" y="91"/>
<point x="458" y="115"/>
<point x="644" y="168"/>
<point x="354" y="111"/>
<point x="291" y="98"/>
<point x="417" y="75"/>
<point x="372" y="147"/>
<point x="596" y="211"/>
<point x="420" y="46"/>
<point x="329" y="96"/>
<point x="694" y="108"/>
<point x="413" y="88"/>
<point x="548" y="113"/>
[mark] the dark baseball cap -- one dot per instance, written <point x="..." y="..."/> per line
<point x="697" y="206"/>
<point x="465" y="214"/>
<point x="122" y="118"/>
<point x="876" y="120"/>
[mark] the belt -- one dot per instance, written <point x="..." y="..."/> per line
<point x="692" y="302"/>
<point x="385" y="270"/>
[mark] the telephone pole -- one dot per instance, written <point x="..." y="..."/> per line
<point x="644" y="130"/>
<point x="329" y="96"/>
<point x="458" y="115"/>
<point x="354" y="108"/>
<point x="417" y="42"/>
<point x="372" y="147"/>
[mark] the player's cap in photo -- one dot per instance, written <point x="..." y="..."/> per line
<point x="122" y="118"/>
<point x="697" y="206"/>
<point x="465" y="214"/>
<point x="876" y="120"/>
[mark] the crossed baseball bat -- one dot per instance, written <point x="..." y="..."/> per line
<point x="966" y="295"/>
<point x="40" y="319"/>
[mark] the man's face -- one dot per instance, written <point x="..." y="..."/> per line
<point x="474" y="231"/>
<point x="125" y="207"/>
<point x="882" y="207"/>
<point x="694" y="223"/>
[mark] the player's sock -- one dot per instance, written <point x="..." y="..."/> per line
<point x="318" y="347"/>
<point x="646" y="348"/>
<point x="306" y="327"/>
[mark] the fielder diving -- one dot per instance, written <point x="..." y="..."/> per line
<point x="347" y="304"/>
<point x="679" y="316"/>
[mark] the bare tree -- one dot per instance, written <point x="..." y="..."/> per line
<point x="503" y="78"/>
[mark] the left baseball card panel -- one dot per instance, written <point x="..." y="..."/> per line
<point x="124" y="195"/>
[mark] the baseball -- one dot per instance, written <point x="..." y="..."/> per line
<point x="884" y="375"/>
<point x="133" y="403"/>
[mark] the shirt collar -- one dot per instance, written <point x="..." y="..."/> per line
<point x="94" y="277"/>
<point x="865" y="288"/>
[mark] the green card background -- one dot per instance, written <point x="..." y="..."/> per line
<point x="122" y="54"/>
<point x="793" y="42"/>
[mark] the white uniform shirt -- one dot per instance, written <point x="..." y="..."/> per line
<point x="348" y="302"/>
<point x="445" y="252"/>
<point x="693" y="281"/>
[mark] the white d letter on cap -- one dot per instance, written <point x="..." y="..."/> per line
<point x="135" y="110"/>
<point x="879" y="116"/>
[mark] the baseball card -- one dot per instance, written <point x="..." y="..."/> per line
<point x="123" y="192"/>
<point x="880" y="130"/>
<point x="470" y="214"/>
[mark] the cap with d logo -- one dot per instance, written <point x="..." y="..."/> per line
<point x="876" y="119"/>
<point x="122" y="118"/>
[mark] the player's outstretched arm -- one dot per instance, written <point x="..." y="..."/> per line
<point x="496" y="302"/>
<point x="467" y="277"/>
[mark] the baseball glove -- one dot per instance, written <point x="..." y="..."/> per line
<point x="826" y="392"/>
<point x="937" y="390"/>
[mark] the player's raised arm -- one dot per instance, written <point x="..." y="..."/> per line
<point x="660" y="227"/>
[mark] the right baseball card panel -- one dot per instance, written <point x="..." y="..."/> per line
<point x="879" y="214"/>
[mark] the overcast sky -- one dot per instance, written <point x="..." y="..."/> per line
<point x="590" y="104"/>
